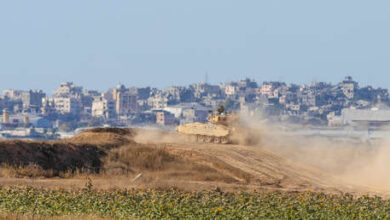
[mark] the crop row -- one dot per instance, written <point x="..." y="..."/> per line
<point x="173" y="204"/>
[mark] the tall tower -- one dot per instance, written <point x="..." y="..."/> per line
<point x="5" y="117"/>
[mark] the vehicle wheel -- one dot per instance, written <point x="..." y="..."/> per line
<point x="209" y="139"/>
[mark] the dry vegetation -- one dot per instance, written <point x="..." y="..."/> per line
<point x="106" y="138"/>
<point x="129" y="168"/>
<point x="54" y="156"/>
<point x="108" y="152"/>
<point x="114" y="157"/>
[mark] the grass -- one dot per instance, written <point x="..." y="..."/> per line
<point x="34" y="217"/>
<point x="173" y="204"/>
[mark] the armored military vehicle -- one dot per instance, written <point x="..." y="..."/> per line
<point x="218" y="129"/>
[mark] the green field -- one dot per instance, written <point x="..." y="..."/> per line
<point x="173" y="204"/>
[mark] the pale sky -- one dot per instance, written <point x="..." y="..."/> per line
<point x="99" y="43"/>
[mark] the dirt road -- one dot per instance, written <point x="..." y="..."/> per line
<point x="167" y="160"/>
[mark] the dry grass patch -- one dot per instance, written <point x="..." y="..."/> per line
<point x="104" y="137"/>
<point x="156" y="162"/>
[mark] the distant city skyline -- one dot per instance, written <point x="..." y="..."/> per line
<point x="98" y="44"/>
<point x="107" y="87"/>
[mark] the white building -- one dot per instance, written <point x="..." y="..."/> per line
<point x="368" y="117"/>
<point x="68" y="89"/>
<point x="104" y="108"/>
<point x="158" y="102"/>
<point x="231" y="89"/>
<point x="67" y="105"/>
<point x="193" y="112"/>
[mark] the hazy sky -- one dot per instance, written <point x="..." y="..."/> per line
<point x="98" y="44"/>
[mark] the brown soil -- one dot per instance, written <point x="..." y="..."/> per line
<point x="104" y="137"/>
<point x="117" y="156"/>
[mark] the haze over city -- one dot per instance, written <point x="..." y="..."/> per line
<point x="99" y="44"/>
<point x="200" y="109"/>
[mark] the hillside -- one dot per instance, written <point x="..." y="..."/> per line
<point x="114" y="157"/>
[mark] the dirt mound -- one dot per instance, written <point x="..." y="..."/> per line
<point x="120" y="131"/>
<point x="81" y="152"/>
<point x="104" y="137"/>
<point x="114" y="152"/>
<point x="57" y="157"/>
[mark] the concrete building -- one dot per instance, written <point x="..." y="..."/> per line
<point x="143" y="93"/>
<point x="67" y="105"/>
<point x="48" y="106"/>
<point x="33" y="99"/>
<point x="68" y="89"/>
<point x="349" y="87"/>
<point x="13" y="93"/>
<point x="195" y="115"/>
<point x="158" y="102"/>
<point x="212" y="103"/>
<point x="231" y="90"/>
<point x="267" y="89"/>
<point x="200" y="90"/>
<point x="189" y="112"/>
<point x="103" y="108"/>
<point x="125" y="101"/>
<point x="247" y="83"/>
<point x="26" y="119"/>
<point x="173" y="94"/>
<point x="119" y="89"/>
<point x="164" y="118"/>
<point x="366" y="117"/>
<point x="68" y="99"/>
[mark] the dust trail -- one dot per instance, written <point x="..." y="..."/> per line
<point x="348" y="162"/>
<point x="351" y="161"/>
<point x="373" y="170"/>
<point x="158" y="136"/>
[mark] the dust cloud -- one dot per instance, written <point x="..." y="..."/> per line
<point x="351" y="162"/>
<point x="150" y="135"/>
<point x="344" y="162"/>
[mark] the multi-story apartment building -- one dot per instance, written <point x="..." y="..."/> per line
<point x="125" y="100"/>
<point x="203" y="89"/>
<point x="68" y="99"/>
<point x="33" y="99"/>
<point x="103" y="108"/>
<point x="13" y="94"/>
<point x="68" y="105"/>
<point x="158" y="101"/>
<point x="126" y="103"/>
<point x="68" y="89"/>
<point x="165" y="118"/>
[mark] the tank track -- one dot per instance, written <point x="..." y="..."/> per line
<point x="212" y="139"/>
